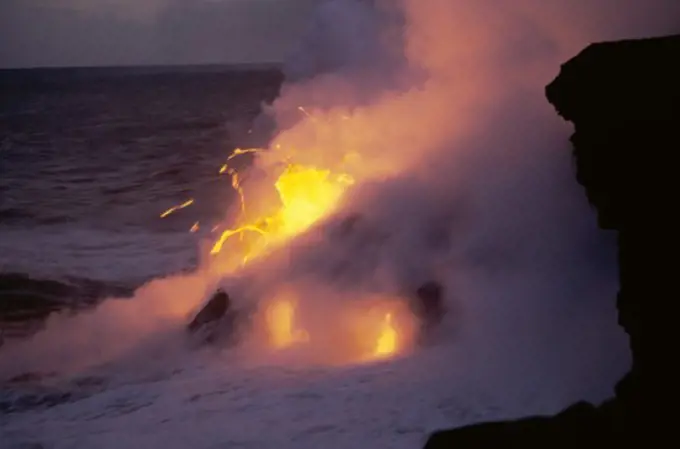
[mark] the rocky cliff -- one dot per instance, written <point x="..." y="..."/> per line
<point x="623" y="99"/>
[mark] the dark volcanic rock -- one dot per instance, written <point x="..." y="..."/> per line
<point x="624" y="101"/>
<point x="429" y="306"/>
<point x="213" y="311"/>
<point x="217" y="321"/>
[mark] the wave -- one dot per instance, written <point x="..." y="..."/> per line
<point x="13" y="214"/>
<point x="26" y="301"/>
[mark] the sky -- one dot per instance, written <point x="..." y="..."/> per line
<point x="36" y="33"/>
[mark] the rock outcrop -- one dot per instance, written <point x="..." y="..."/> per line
<point x="429" y="304"/>
<point x="212" y="311"/>
<point x="216" y="321"/>
<point x="624" y="101"/>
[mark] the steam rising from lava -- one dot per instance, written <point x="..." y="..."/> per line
<point x="430" y="153"/>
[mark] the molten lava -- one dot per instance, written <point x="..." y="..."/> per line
<point x="280" y="317"/>
<point x="174" y="209"/>
<point x="339" y="333"/>
<point x="305" y="195"/>
<point x="302" y="195"/>
<point x="388" y="340"/>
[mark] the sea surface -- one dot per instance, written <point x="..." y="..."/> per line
<point x="90" y="158"/>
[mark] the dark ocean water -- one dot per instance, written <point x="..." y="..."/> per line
<point x="89" y="158"/>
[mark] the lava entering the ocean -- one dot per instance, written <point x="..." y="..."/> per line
<point x="281" y="324"/>
<point x="293" y="196"/>
<point x="370" y="329"/>
<point x="388" y="339"/>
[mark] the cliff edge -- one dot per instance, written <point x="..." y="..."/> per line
<point x="623" y="99"/>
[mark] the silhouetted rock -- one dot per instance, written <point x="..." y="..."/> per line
<point x="213" y="311"/>
<point x="624" y="101"/>
<point x="582" y="423"/>
<point x="218" y="322"/>
<point x="429" y="306"/>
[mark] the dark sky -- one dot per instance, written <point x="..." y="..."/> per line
<point x="139" y="32"/>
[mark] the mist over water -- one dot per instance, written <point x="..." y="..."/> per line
<point x="464" y="176"/>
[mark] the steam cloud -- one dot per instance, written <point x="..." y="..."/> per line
<point x="465" y="176"/>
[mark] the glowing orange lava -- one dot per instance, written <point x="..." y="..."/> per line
<point x="280" y="317"/>
<point x="388" y="340"/>
<point x="340" y="334"/>
<point x="302" y="195"/>
<point x="176" y="208"/>
<point x="305" y="195"/>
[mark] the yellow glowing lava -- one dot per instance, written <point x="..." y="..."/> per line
<point x="388" y="339"/>
<point x="288" y="200"/>
<point x="306" y="194"/>
<point x="280" y="316"/>
<point x="176" y="208"/>
<point x="357" y="332"/>
<point x="217" y="247"/>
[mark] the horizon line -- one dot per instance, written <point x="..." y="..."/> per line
<point x="175" y="66"/>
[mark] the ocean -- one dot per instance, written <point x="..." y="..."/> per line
<point x="90" y="159"/>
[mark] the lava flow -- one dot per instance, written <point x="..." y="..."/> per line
<point x="280" y="316"/>
<point x="306" y="194"/>
<point x="268" y="218"/>
<point x="388" y="339"/>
